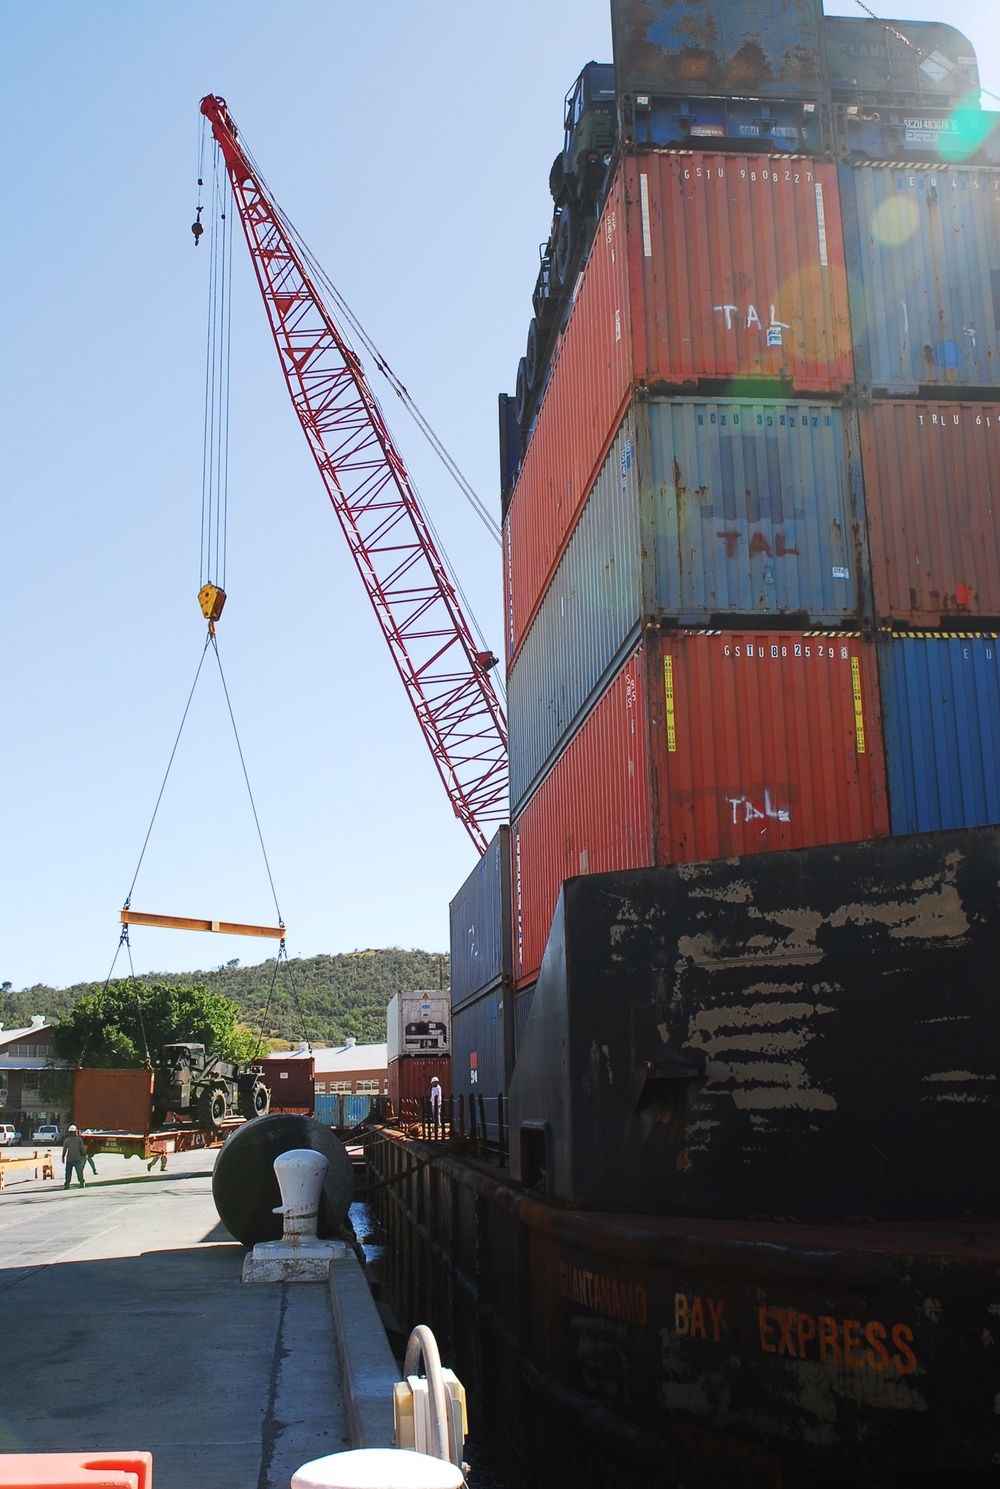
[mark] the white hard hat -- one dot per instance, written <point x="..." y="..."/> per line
<point x="435" y="1081"/>
<point x="72" y="1127"/>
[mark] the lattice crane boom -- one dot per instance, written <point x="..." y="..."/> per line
<point x="446" y="676"/>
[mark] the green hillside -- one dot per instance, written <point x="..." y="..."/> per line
<point x="325" y="999"/>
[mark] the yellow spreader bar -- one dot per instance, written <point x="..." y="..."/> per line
<point x="182" y="923"/>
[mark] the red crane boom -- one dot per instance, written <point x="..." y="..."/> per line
<point x="445" y="675"/>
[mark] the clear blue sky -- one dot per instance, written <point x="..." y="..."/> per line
<point x="410" y="145"/>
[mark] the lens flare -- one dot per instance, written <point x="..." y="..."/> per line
<point x="895" y="221"/>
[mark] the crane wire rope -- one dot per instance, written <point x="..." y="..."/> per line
<point x="347" y="315"/>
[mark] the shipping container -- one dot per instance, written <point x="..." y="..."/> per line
<point x="343" y="1109"/>
<point x="418" y="1023"/>
<point x="522" y="1007"/>
<point x="929" y="136"/>
<point x="586" y="393"/>
<point x="923" y="252"/>
<point x="590" y="814"/>
<point x="291" y="1081"/>
<point x="760" y="49"/>
<point x="941" y="711"/>
<point x="481" y="935"/>
<point x="410" y="1081"/>
<point x="737" y="269"/>
<point x="479" y="1056"/>
<point x="113" y="1100"/>
<point x="919" y="62"/>
<point x="764" y="741"/>
<point x="932" y="488"/>
<point x="757" y="742"/>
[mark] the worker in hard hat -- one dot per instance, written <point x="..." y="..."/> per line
<point x="74" y="1153"/>
<point x="436" y="1105"/>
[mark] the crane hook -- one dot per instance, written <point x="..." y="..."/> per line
<point x="196" y="226"/>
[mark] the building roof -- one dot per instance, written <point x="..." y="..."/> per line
<point x="12" y="1059"/>
<point x="342" y="1059"/>
<point x="8" y="1036"/>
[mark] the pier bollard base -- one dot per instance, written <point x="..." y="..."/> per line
<point x="283" y="1261"/>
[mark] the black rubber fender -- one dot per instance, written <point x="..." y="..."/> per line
<point x="246" y="1191"/>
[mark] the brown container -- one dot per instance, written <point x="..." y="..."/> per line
<point x="410" y="1081"/>
<point x="932" y="487"/>
<point x="737" y="270"/>
<point x="113" y="1100"/>
<point x="591" y="814"/>
<point x="292" y="1083"/>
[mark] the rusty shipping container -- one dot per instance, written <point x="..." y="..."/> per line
<point x="941" y="709"/>
<point x="409" y="1081"/>
<point x="932" y="487"/>
<point x="761" y="50"/>
<point x="736" y="266"/>
<point x="923" y="254"/>
<point x="757" y="742"/>
<point x="590" y="814"/>
<point x="113" y="1100"/>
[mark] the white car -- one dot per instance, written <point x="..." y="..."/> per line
<point x="48" y="1135"/>
<point x="8" y="1135"/>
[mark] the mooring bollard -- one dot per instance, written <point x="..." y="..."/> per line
<point x="378" y="1468"/>
<point x="299" y="1256"/>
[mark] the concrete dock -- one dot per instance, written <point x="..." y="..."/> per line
<point x="126" y="1326"/>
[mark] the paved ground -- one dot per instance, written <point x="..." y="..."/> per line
<point x="124" y="1325"/>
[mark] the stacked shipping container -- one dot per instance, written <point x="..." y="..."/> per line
<point x="693" y="469"/>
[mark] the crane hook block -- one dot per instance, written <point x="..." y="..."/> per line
<point x="211" y="599"/>
<point x="197" y="229"/>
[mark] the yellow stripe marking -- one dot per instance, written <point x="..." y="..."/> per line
<point x="859" y="718"/>
<point x="668" y="695"/>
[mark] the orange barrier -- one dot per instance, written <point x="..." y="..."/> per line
<point x="70" y="1470"/>
<point x="37" y="1161"/>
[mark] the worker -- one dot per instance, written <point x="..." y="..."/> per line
<point x="74" y="1154"/>
<point x="436" y="1106"/>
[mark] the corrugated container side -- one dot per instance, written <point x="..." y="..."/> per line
<point x="924" y="265"/>
<point x="737" y="269"/>
<point x="589" y="815"/>
<point x="341" y="1109"/>
<point x="764" y="741"/>
<point x="750" y="508"/>
<point x="587" y="619"/>
<point x="409" y="1080"/>
<point x="292" y="1083"/>
<point x="941" y="706"/>
<point x="113" y="1100"/>
<point x="522" y="1007"/>
<point x="932" y="487"/>
<point x="480" y="917"/>
<point x="478" y="1050"/>
<point x="579" y="413"/>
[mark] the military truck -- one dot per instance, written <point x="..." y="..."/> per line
<point x="205" y="1089"/>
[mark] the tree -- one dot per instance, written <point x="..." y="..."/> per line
<point x="122" y="1025"/>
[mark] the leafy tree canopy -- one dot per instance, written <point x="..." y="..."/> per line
<point x="114" y="1028"/>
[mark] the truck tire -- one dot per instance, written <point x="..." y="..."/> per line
<point x="565" y="241"/>
<point x="256" y="1102"/>
<point x="212" y="1106"/>
<point x="531" y="358"/>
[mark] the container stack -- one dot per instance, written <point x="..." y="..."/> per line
<point x="418" y="1040"/>
<point x="482" y="994"/>
<point x="924" y="255"/>
<point x="702" y="613"/>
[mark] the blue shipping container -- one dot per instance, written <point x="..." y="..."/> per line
<point x="478" y="1051"/>
<point x="941" y="715"/>
<point x="481" y="946"/>
<point x="923" y="259"/>
<point x="342" y="1109"/>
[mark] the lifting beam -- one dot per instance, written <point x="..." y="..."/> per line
<point x="182" y="923"/>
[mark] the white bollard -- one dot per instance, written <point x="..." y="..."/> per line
<point x="300" y="1174"/>
<point x="378" y="1468"/>
<point x="299" y="1256"/>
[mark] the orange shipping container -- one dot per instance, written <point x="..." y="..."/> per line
<point x="591" y="814"/>
<point x="755" y="742"/>
<point x="737" y="270"/>
<point x="932" y="487"/>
